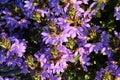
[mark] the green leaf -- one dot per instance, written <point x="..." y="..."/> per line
<point x="30" y="62"/>
<point x="76" y="58"/>
<point x="71" y="43"/>
<point x="5" y="43"/>
<point x="37" y="17"/>
<point x="36" y="76"/>
<point x="54" y="51"/>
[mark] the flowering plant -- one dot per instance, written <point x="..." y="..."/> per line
<point x="59" y="40"/>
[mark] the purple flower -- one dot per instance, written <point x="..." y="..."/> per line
<point x="28" y="8"/>
<point x="74" y="31"/>
<point x="98" y="47"/>
<point x="80" y="51"/>
<point x="89" y="46"/>
<point x="19" y="4"/>
<point x="1" y="78"/>
<point x="49" y="39"/>
<point x="110" y="70"/>
<point x="41" y="58"/>
<point x="117" y="73"/>
<point x="105" y="39"/>
<point x="99" y="74"/>
<point x="60" y="66"/>
<point x="6" y="78"/>
<point x="43" y="12"/>
<point x="11" y="23"/>
<point x="117" y="34"/>
<point x="18" y="48"/>
<point x="23" y="23"/>
<point x="102" y="6"/>
<point x="15" y="22"/>
<point x="53" y="3"/>
<point x="79" y="10"/>
<point x="117" y="13"/>
<point x="105" y="51"/>
<point x="81" y="41"/>
<point x="24" y="68"/>
<point x="3" y="35"/>
<point x="62" y="37"/>
<point x="2" y="59"/>
<point x="63" y="49"/>
<point x="85" y="1"/>
<point x="3" y="1"/>
<point x="52" y="77"/>
<point x="84" y="60"/>
<point x="28" y="5"/>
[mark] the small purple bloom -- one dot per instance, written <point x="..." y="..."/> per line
<point x="85" y="1"/>
<point x="18" y="48"/>
<point x="99" y="74"/>
<point x="41" y="58"/>
<point x="117" y="13"/>
<point x="117" y="34"/>
<point x="28" y="5"/>
<point x="117" y="73"/>
<point x="105" y="39"/>
<point x="98" y="47"/>
<point x="84" y="60"/>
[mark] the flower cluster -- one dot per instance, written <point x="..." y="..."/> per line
<point x="51" y="39"/>
<point x="110" y="72"/>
